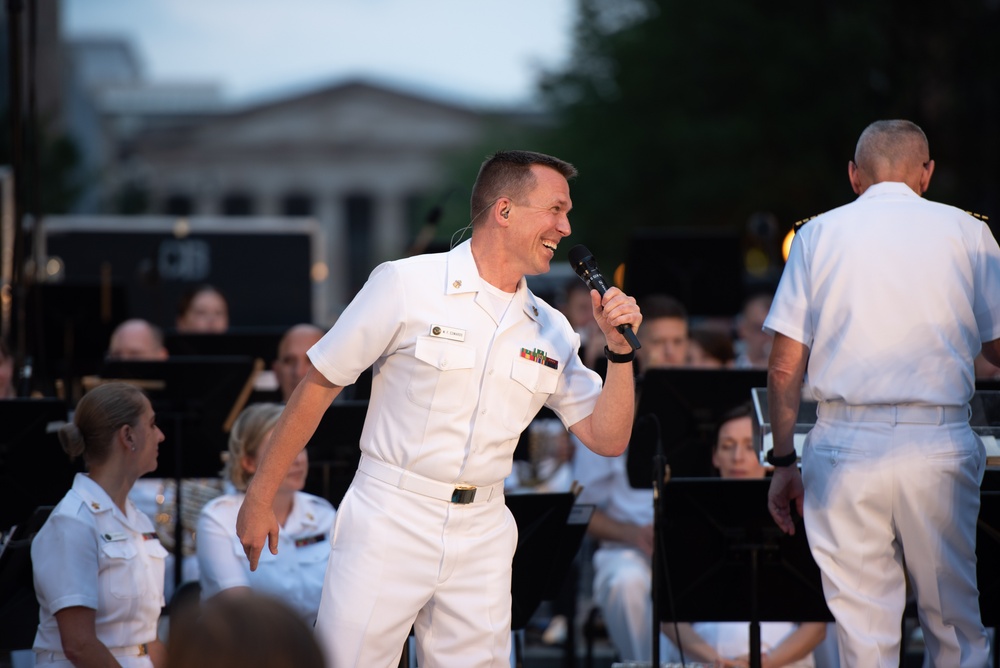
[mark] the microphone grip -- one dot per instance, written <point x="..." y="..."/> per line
<point x="596" y="282"/>
<point x="633" y="340"/>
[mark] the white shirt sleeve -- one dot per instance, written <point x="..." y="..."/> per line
<point x="986" y="307"/>
<point x="65" y="563"/>
<point x="220" y="555"/>
<point x="790" y="314"/>
<point x="368" y="328"/>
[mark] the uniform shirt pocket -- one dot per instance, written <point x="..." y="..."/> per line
<point x="442" y="375"/>
<point x="533" y="383"/>
<point x="124" y="569"/>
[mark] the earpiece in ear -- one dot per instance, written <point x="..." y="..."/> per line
<point x="505" y="213"/>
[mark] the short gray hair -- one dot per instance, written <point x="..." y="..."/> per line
<point x="886" y="145"/>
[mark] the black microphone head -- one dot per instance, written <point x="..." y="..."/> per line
<point x="578" y="258"/>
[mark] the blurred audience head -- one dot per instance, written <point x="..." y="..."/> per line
<point x="734" y="452"/>
<point x="663" y="333"/>
<point x="7" y="390"/>
<point x="248" y="631"/>
<point x="202" y="310"/>
<point x="137" y="339"/>
<point x="576" y="306"/>
<point x="251" y="428"/>
<point x="293" y="363"/>
<point x="710" y="349"/>
<point x="754" y="343"/>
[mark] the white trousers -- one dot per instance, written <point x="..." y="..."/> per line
<point x="623" y="591"/>
<point x="400" y="559"/>
<point x="881" y="499"/>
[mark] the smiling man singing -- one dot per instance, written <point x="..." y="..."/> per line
<point x="464" y="356"/>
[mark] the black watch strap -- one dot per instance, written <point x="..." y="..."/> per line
<point x="617" y="358"/>
<point x="785" y="460"/>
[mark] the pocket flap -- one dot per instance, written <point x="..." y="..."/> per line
<point x="538" y="378"/>
<point x="443" y="354"/>
<point x="120" y="549"/>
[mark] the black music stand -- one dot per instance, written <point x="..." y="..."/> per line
<point x="71" y="324"/>
<point x="683" y="408"/>
<point x="988" y="551"/>
<point x="725" y="560"/>
<point x="334" y="450"/>
<point x="196" y="400"/>
<point x="259" y="342"/>
<point x="18" y="602"/>
<point x="550" y="529"/>
<point x="702" y="267"/>
<point x="34" y="469"/>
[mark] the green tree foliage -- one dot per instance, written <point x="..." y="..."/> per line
<point x="59" y="183"/>
<point x="701" y="114"/>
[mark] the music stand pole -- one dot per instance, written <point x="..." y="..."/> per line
<point x="659" y="477"/>
<point x="754" y="613"/>
<point x="178" y="525"/>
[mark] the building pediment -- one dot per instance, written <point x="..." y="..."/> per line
<point x="349" y="115"/>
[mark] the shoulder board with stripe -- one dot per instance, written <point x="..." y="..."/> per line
<point x="797" y="225"/>
<point x="980" y="216"/>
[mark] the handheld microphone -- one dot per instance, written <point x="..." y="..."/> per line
<point x="585" y="266"/>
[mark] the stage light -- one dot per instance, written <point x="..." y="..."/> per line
<point x="619" y="276"/>
<point x="182" y="228"/>
<point x="786" y="244"/>
<point x="756" y="262"/>
<point x="319" y="271"/>
<point x="54" y="267"/>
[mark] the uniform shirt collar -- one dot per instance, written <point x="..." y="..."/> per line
<point x="302" y="517"/>
<point x="98" y="500"/>
<point x="93" y="495"/>
<point x="887" y="188"/>
<point x="463" y="276"/>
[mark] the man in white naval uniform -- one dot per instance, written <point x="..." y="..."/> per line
<point x="464" y="357"/>
<point x="886" y="301"/>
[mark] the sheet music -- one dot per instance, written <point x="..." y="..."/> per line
<point x="992" y="446"/>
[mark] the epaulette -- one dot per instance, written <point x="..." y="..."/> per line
<point x="797" y="225"/>
<point x="980" y="216"/>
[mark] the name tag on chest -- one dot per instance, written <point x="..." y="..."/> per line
<point x="450" y="333"/>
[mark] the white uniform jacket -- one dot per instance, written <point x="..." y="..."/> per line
<point x="294" y="575"/>
<point x="452" y="388"/>
<point x="90" y="554"/>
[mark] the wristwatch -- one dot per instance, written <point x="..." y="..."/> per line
<point x="784" y="460"/>
<point x="618" y="358"/>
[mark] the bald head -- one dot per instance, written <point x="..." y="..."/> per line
<point x="137" y="340"/>
<point x="293" y="363"/>
<point x="891" y="151"/>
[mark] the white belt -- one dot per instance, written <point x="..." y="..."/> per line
<point x="411" y="482"/>
<point x="45" y="656"/>
<point x="893" y="413"/>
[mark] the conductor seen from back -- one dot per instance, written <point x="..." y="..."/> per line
<point x="464" y="357"/>
<point x="886" y="301"/>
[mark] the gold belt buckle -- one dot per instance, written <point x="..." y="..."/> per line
<point x="143" y="650"/>
<point x="463" y="494"/>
